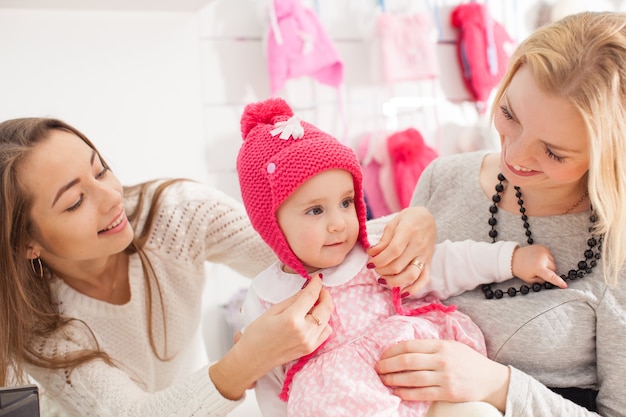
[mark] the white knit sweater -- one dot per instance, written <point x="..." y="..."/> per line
<point x="195" y="224"/>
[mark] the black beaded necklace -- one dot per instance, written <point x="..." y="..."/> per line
<point x="584" y="267"/>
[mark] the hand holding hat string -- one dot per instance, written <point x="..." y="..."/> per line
<point x="260" y="342"/>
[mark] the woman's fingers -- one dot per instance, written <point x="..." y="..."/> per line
<point x="407" y="243"/>
<point x="410" y="370"/>
<point x="313" y="300"/>
<point x="302" y="301"/>
<point x="442" y="370"/>
<point x="406" y="355"/>
<point x="417" y="285"/>
<point x="304" y="317"/>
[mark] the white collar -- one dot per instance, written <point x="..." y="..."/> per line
<point x="273" y="285"/>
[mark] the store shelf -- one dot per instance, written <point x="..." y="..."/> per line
<point x="112" y="5"/>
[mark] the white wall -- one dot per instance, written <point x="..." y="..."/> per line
<point x="129" y="80"/>
<point x="160" y="85"/>
<point x="161" y="92"/>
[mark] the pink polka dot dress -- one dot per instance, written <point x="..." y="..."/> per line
<point x="339" y="379"/>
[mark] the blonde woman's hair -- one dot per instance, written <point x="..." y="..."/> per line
<point x="582" y="58"/>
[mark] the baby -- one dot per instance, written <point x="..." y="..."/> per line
<point x="303" y="192"/>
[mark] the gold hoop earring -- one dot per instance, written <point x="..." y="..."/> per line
<point x="40" y="266"/>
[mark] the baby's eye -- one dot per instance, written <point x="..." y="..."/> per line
<point x="347" y="202"/>
<point x="315" y="211"/>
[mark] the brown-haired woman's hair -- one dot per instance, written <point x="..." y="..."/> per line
<point x="29" y="313"/>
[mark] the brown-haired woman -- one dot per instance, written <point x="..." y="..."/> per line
<point x="101" y="284"/>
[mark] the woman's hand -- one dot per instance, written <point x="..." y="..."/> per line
<point x="443" y="370"/>
<point x="285" y="332"/>
<point x="407" y="243"/>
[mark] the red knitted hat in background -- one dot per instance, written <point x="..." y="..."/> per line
<point x="483" y="50"/>
<point x="279" y="153"/>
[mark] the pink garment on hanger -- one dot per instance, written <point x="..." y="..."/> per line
<point x="407" y="51"/>
<point x="409" y="156"/>
<point x="369" y="147"/>
<point x="299" y="46"/>
<point x="386" y="179"/>
<point x="483" y="49"/>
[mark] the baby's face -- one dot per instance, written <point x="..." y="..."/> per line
<point x="319" y="219"/>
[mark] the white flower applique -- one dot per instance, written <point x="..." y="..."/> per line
<point x="307" y="42"/>
<point x="288" y="128"/>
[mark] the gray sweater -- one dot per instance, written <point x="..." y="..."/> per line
<point x="557" y="338"/>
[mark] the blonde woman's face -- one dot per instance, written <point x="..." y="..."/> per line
<point x="77" y="208"/>
<point x="543" y="137"/>
<point x="319" y="219"/>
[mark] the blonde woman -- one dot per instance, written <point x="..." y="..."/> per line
<point x="559" y="181"/>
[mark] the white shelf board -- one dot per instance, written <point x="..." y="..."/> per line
<point x="111" y="5"/>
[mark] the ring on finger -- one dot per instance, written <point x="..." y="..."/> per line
<point x="317" y="320"/>
<point x="419" y="264"/>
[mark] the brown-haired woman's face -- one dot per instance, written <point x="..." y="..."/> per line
<point x="77" y="209"/>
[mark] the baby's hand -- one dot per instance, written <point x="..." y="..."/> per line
<point x="535" y="264"/>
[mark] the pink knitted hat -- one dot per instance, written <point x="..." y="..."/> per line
<point x="278" y="154"/>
